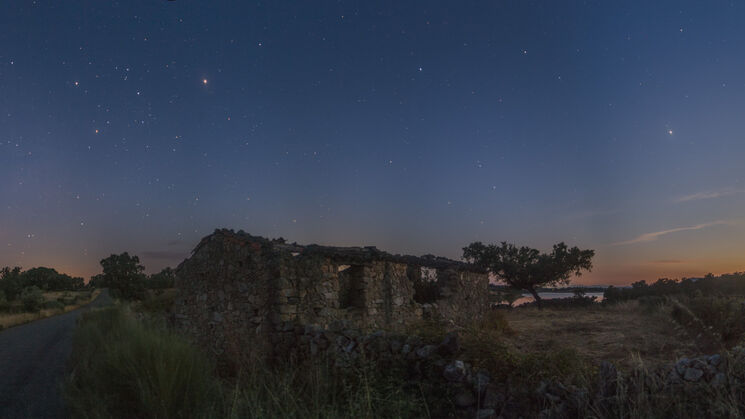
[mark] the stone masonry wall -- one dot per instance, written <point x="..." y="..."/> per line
<point x="239" y="291"/>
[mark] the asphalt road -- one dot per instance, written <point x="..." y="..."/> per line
<point x="33" y="361"/>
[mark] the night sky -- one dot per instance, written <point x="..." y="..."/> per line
<point x="416" y="126"/>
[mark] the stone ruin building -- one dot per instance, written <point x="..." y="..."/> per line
<point x="239" y="291"/>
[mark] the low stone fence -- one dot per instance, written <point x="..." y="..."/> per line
<point x="473" y="392"/>
<point x="685" y="378"/>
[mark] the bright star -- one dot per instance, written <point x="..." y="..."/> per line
<point x="204" y="81"/>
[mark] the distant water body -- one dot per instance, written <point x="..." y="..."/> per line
<point x="527" y="298"/>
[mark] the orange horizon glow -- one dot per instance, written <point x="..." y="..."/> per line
<point x="606" y="274"/>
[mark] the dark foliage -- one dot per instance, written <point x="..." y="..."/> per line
<point x="49" y="279"/>
<point x="32" y="299"/>
<point x="726" y="285"/>
<point x="162" y="280"/>
<point x="10" y="282"/>
<point x="14" y="281"/>
<point x="529" y="269"/>
<point x="571" y="302"/>
<point x="124" y="276"/>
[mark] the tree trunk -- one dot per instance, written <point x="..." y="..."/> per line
<point x="537" y="298"/>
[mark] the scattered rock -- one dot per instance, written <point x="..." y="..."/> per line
<point x="693" y="374"/>
<point x="681" y="366"/>
<point x="715" y="360"/>
<point x="455" y="371"/>
<point x="719" y="380"/>
<point x="426" y="351"/>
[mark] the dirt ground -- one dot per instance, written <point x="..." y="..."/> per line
<point x="622" y="333"/>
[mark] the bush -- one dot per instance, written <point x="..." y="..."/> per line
<point x="32" y="299"/>
<point x="4" y="304"/>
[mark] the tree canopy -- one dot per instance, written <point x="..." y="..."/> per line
<point x="526" y="268"/>
<point x="124" y="275"/>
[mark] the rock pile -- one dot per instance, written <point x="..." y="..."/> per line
<point x="472" y="391"/>
<point x="709" y="369"/>
<point x="685" y="377"/>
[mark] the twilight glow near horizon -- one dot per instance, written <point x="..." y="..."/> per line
<point x="417" y="127"/>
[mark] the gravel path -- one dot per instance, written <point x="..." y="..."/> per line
<point x="32" y="364"/>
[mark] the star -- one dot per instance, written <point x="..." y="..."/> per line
<point x="204" y="81"/>
<point x="669" y="132"/>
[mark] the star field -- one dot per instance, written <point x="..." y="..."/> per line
<point x="417" y="127"/>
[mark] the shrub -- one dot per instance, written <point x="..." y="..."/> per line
<point x="32" y="299"/>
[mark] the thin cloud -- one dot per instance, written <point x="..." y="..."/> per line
<point x="594" y="213"/>
<point x="648" y="237"/>
<point x="710" y="195"/>
<point x="666" y="261"/>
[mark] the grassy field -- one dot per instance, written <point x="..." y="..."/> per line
<point x="618" y="333"/>
<point x="68" y="301"/>
<point x="127" y="363"/>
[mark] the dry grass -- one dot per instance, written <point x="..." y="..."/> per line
<point x="616" y="333"/>
<point x="11" y="319"/>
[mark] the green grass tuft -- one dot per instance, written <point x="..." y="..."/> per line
<point x="123" y="368"/>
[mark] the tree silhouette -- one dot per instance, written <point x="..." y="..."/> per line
<point x="527" y="268"/>
<point x="124" y="275"/>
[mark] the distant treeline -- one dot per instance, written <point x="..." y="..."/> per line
<point x="580" y="289"/>
<point x="122" y="273"/>
<point x="726" y="284"/>
<point x="13" y="281"/>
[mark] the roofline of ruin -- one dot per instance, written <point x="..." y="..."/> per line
<point x="345" y="255"/>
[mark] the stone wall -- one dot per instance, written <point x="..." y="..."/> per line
<point x="433" y="364"/>
<point x="239" y="291"/>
